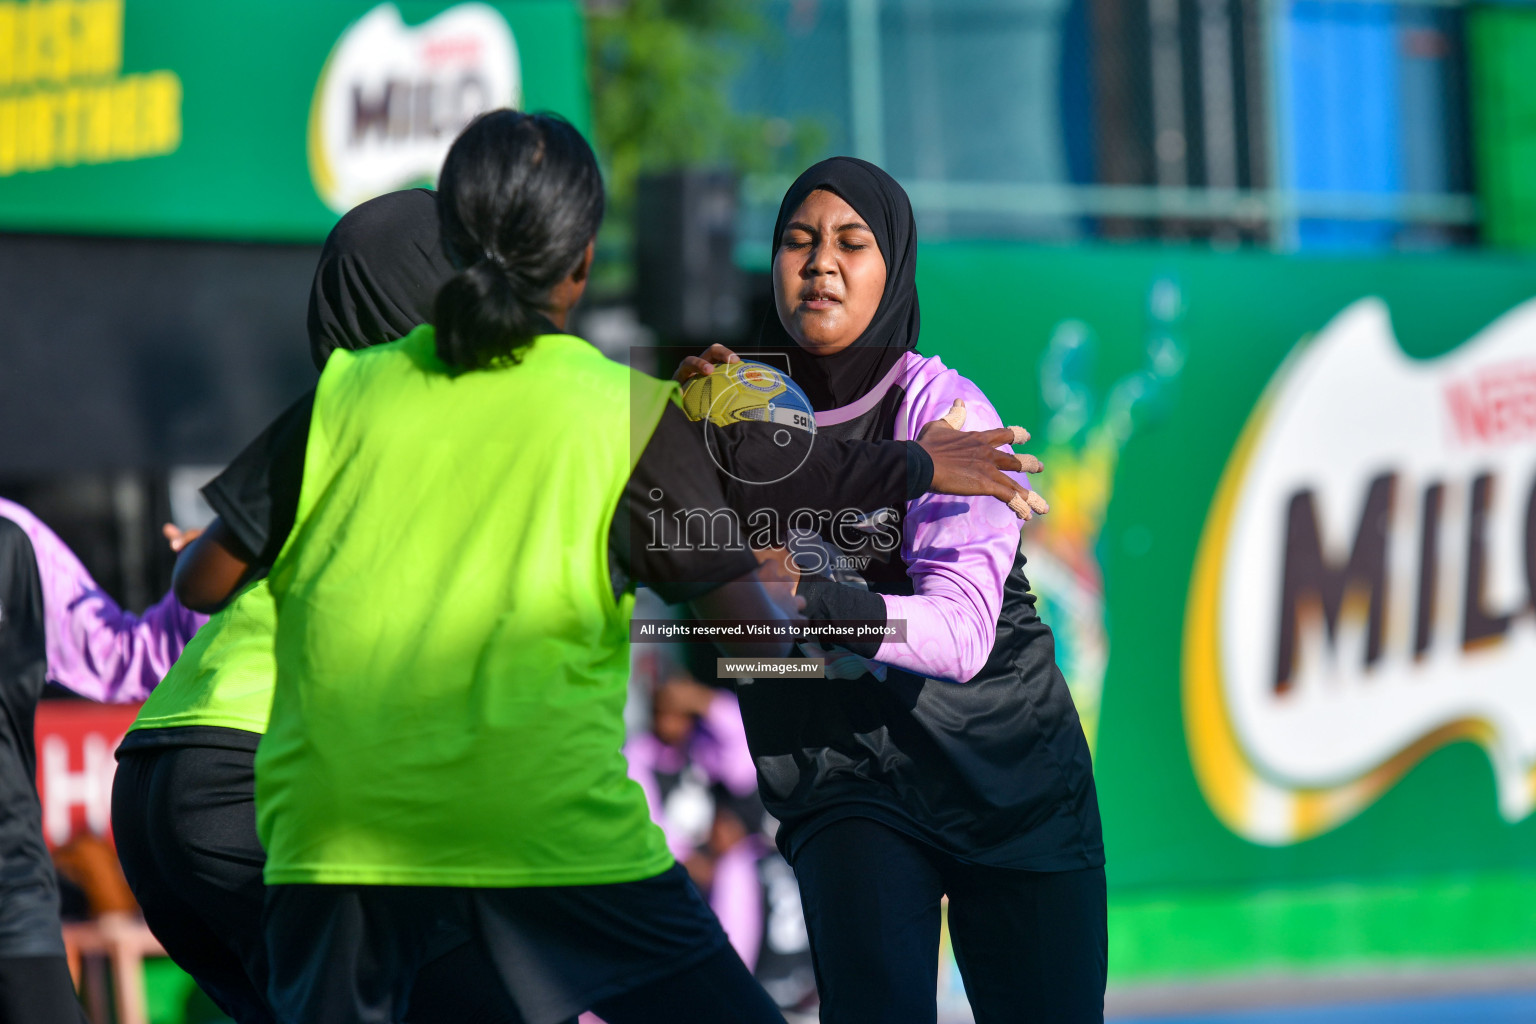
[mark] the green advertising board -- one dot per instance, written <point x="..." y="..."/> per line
<point x="1501" y="44"/>
<point x="1291" y="568"/>
<point x="261" y="121"/>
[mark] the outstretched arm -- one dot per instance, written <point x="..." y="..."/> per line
<point x="212" y="569"/>
<point x="257" y="500"/>
<point x="958" y="552"/>
<point x="95" y="648"/>
<point x="760" y="469"/>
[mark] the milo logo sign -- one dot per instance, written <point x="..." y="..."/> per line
<point x="392" y="98"/>
<point x="1365" y="588"/>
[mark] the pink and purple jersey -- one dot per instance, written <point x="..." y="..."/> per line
<point x="95" y="648"/>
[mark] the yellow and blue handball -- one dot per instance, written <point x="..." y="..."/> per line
<point x="749" y="392"/>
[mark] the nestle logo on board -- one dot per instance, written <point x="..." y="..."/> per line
<point x="1496" y="406"/>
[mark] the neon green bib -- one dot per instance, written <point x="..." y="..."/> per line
<point x="452" y="663"/>
<point x="224" y="675"/>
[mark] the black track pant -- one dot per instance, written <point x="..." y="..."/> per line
<point x="38" y="990"/>
<point x="185" y="823"/>
<point x="1031" y="946"/>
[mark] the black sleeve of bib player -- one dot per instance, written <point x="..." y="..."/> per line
<point x="919" y="469"/>
<point x="760" y="474"/>
<point x="257" y="496"/>
<point x="673" y="530"/>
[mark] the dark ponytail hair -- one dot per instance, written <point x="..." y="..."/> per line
<point x="520" y="198"/>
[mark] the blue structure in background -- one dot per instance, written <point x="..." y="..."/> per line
<point x="1373" y="104"/>
<point x="1344" y="111"/>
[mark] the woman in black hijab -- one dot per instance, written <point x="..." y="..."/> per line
<point x="838" y="379"/>
<point x="183" y="802"/>
<point x="948" y="762"/>
<point x="378" y="275"/>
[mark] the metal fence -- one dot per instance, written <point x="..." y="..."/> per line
<point x="1292" y="124"/>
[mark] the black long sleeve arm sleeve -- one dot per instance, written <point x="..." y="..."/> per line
<point x="758" y="472"/>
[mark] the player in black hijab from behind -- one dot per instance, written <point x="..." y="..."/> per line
<point x="183" y="803"/>
<point x="378" y="275"/>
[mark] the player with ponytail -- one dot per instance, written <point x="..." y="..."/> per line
<point x="521" y="232"/>
<point x="443" y="751"/>
<point x="184" y="795"/>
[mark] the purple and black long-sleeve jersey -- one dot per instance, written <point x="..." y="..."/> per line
<point x="971" y="742"/>
<point x="94" y="647"/>
<point x="55" y="623"/>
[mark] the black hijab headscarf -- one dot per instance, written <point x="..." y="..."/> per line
<point x="839" y="379"/>
<point x="379" y="273"/>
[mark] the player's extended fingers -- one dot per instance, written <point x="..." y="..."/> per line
<point x="691" y="367"/>
<point x="1013" y="462"/>
<point x="704" y="365"/>
<point x="718" y="353"/>
<point x="1001" y="436"/>
<point x="1036" y="502"/>
<point x="955" y="417"/>
<point x="1008" y="492"/>
<point x="997" y="437"/>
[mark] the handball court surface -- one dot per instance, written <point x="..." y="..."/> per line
<point x="1483" y="994"/>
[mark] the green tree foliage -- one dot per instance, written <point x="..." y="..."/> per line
<point x="660" y="70"/>
<point x="661" y="73"/>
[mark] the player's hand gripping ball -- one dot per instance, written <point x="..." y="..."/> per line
<point x="749" y="391"/>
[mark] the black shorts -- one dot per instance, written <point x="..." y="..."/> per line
<point x="349" y="952"/>
<point x="185" y="822"/>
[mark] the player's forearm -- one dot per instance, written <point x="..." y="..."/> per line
<point x="958" y="552"/>
<point x="948" y="636"/>
<point x="745" y="600"/>
<point x="211" y="569"/>
<point x="862" y="476"/>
